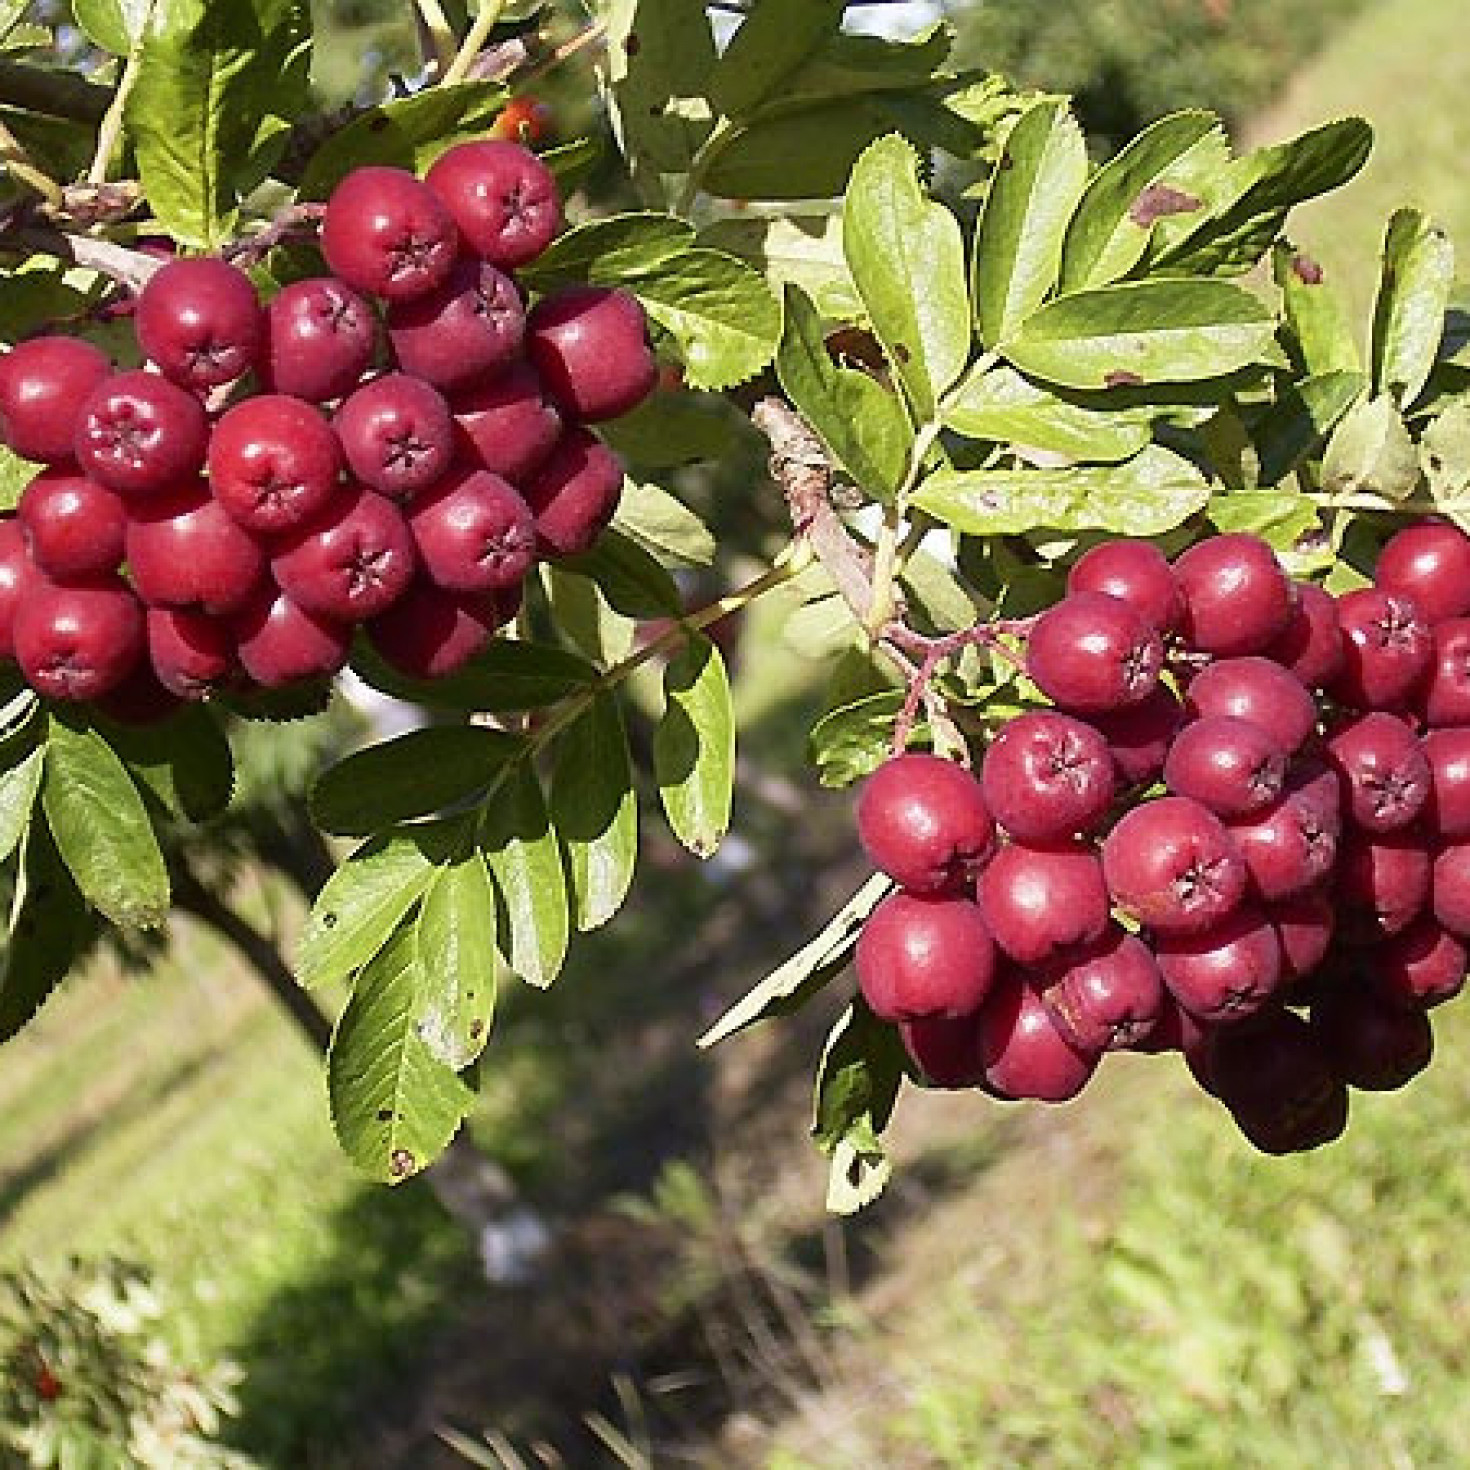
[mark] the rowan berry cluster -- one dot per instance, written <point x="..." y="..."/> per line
<point x="391" y="446"/>
<point x="1241" y="832"/>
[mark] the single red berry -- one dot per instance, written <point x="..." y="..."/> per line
<point x="48" y="1385"/>
<point x="924" y="822"/>
<point x="1024" y="1054"/>
<point x="397" y="435"/>
<point x="1451" y="890"/>
<point x="273" y="462"/>
<point x="43" y="384"/>
<point x="79" y="641"/>
<point x="1175" y="1030"/>
<point x="1304" y="927"/>
<point x="279" y="643"/>
<point x="1040" y="901"/>
<point x="320" y="338"/>
<point x="524" y="120"/>
<point x="1382" y="885"/>
<point x="1109" y="997"/>
<point x="1369" y="1044"/>
<point x="506" y="423"/>
<point x="388" y="234"/>
<point x="1093" y="653"/>
<point x="1430" y="565"/>
<point x="946" y="1052"/>
<point x="1232" y="766"/>
<point x="1447" y="812"/>
<point x="1420" y="967"/>
<point x="1255" y="689"/>
<point x="1388" y="650"/>
<point x="192" y="654"/>
<point x="74" y="527"/>
<point x="1311" y="645"/>
<point x="1385" y="775"/>
<point x="1047" y="777"/>
<point x="574" y="494"/>
<point x="589" y="344"/>
<point x="16" y="571"/>
<point x="1288" y="848"/>
<point x="141" y="435"/>
<point x="468" y="328"/>
<point x="1139" y="737"/>
<point x="474" y="533"/>
<point x="185" y="551"/>
<point x="1237" y="599"/>
<point x="429" y="632"/>
<point x="922" y="956"/>
<point x="200" y="321"/>
<point x="502" y="197"/>
<point x="1135" y="572"/>
<point x="1445" y="696"/>
<point x="1226" y="972"/>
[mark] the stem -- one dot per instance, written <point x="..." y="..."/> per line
<point x="440" y="34"/>
<point x="699" y="165"/>
<point x="23" y="171"/>
<point x="112" y="124"/>
<point x="474" y="41"/>
<point x="130" y="268"/>
<point x="293" y="220"/>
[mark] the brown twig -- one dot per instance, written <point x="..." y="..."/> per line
<point x="297" y="219"/>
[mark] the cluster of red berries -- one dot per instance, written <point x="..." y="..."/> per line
<point x="392" y="446"/>
<point x="1242" y="833"/>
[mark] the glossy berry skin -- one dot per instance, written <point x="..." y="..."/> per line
<point x="273" y="462"/>
<point x="74" y="527"/>
<point x="1276" y="1082"/>
<point x="1107" y="998"/>
<point x="1369" y="1044"/>
<point x="1311" y="646"/>
<point x="1135" y="572"/>
<point x="279" y="643"/>
<point x="1227" y="972"/>
<point x="589" y="345"/>
<point x="199" y="320"/>
<point x="387" y="234"/>
<point x="397" y="435"/>
<point x="921" y="956"/>
<point x="1237" y="599"/>
<point x="1139" y="737"/>
<point x="1093" y="653"/>
<point x="1304" y="927"/>
<point x="1231" y="766"/>
<point x="1040" y="901"/>
<point x="1171" y="864"/>
<point x="1447" y="812"/>
<point x="1422" y="967"/>
<point x="141" y="435"/>
<point x="1047" y="777"/>
<point x="946" y="1053"/>
<point x="1387" y="650"/>
<point x="43" y="384"/>
<point x="429" y="632"/>
<point x="1382" y="884"/>
<point x="1385" y="775"/>
<point x="16" y="572"/>
<point x="1255" y="689"/>
<point x="192" y="654"/>
<point x="185" y="551"/>
<point x="574" y="494"/>
<point x="1451" y="888"/>
<point x="1023" y="1053"/>
<point x="79" y="641"/>
<point x="474" y="533"/>
<point x="502" y="197"/>
<point x="1430" y="565"/>
<point x="1319" y="787"/>
<point x="1288" y="848"/>
<point x="350" y="561"/>
<point x="470" y="326"/>
<point x="320" y="338"/>
<point x="506" y="424"/>
<point x="924" y="822"/>
<point x="1445" y="697"/>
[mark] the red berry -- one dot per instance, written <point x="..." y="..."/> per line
<point x="1047" y="777"/>
<point x="1107" y="998"/>
<point x="429" y="632"/>
<point x="1135" y="572"/>
<point x="78" y="641"/>
<point x="1277" y="1084"/>
<point x="387" y="233"/>
<point x="1093" y="653"/>
<point x="351" y="561"/>
<point x="1383" y="884"/>
<point x="1024" y="1054"/>
<point x="141" y="435"/>
<point x="1421" y="967"/>
<point x="320" y="338"/>
<point x="200" y="321"/>
<point x="924" y="822"/>
<point x="1172" y="866"/>
<point x="590" y="346"/>
<point x="1288" y="848"/>
<point x="922" y="956"/>
<point x="1227" y="972"/>
<point x="1445" y="697"/>
<point x="1311" y="646"/>
<point x="280" y="643"/>
<point x="74" y="527"/>
<point x="1385" y="775"/>
<point x="946" y="1052"/>
<point x="474" y="533"/>
<point x="16" y="571"/>
<point x="1231" y="766"/>
<point x="1139" y="737"/>
<point x="467" y="328"/>
<point x="1452" y="888"/>
<point x="1387" y="650"/>
<point x="506" y="423"/>
<point x="1175" y="1030"/>
<point x="1371" y="1045"/>
<point x="1429" y="564"/>
<point x="1304" y="926"/>
<point x="193" y="654"/>
<point x="1039" y="901"/>
<point x="1255" y="689"/>
<point x="1237" y="599"/>
<point x="574" y="494"/>
<point x="502" y="197"/>
<point x="184" y="551"/>
<point x="523" y="120"/>
<point x="397" y="435"/>
<point x="273" y="462"/>
<point x="43" y="384"/>
<point x="1447" y="811"/>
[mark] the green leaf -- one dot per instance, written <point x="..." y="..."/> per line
<point x="664" y="526"/>
<point x="1371" y="454"/>
<point x="846" y="65"/>
<point x="595" y="811"/>
<point x="1003" y="407"/>
<point x="1282" y="517"/>
<point x="1316" y="317"/>
<point x="15" y="474"/>
<point x="793" y="250"/>
<point x="907" y="260"/>
<point x="365" y="900"/>
<point x="610" y="249"/>
<point x="773" y="41"/>
<point x="19" y="786"/>
<point x="1146" y="496"/>
<point x="1413" y="296"/>
<point x="1141" y="333"/>
<point x="113" y="25"/>
<point x="583" y="616"/>
<point x="861" y="1071"/>
<point x="849" y="743"/>
<point x="694" y="746"/>
<point x="185" y="762"/>
<point x="395" y="1106"/>
<point x="1300" y="421"/>
<point x="414" y="775"/>
<point x="671" y="429"/>
<point x="521" y="849"/>
<point x="1126" y="198"/>
<point x="50" y="928"/>
<point x="454" y="942"/>
<point x="1040" y="176"/>
<point x="101" y="826"/>
<point x="1445" y="453"/>
<point x="788" y="987"/>
<point x="632" y="581"/>
<point x="210" y="78"/>
<point x="508" y="677"/>
<point x="862" y="424"/>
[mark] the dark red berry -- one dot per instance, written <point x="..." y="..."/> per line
<point x="1387" y="650"/>
<point x="1447" y="811"/>
<point x="79" y="641"/>
<point x="16" y="571"/>
<point x="193" y="654"/>
<point x="43" y="385"/>
<point x="429" y="632"/>
<point x="1311" y="645"/>
<point x="924" y="822"/>
<point x="1232" y="766"/>
<point x="1039" y="901"/>
<point x="1092" y="653"/>
<point x="1226" y="972"/>
<point x="1237" y="599"/>
<point x="1385" y="775"/>
<point x="388" y="234"/>
<point x="1135" y="572"/>
<point x="574" y="494"/>
<point x="279" y="643"/>
<point x="1276" y="1082"/>
<point x="1429" y="564"/>
<point x="1421" y="967"/>
<point x="320" y="338"/>
<point x="1445" y="697"/>
<point x="273" y="462"/>
<point x="1452" y="888"/>
<point x="200" y="321"/>
<point x="502" y="197"/>
<point x="1288" y="848"/>
<point x="1047" y="777"/>
<point x="1383" y="884"/>
<point x="474" y="533"/>
<point x="1024" y="1054"/>
<point x="1304" y="927"/>
<point x="141" y="435"/>
<point x="590" y="348"/>
<point x="140" y="700"/>
<point x="946" y="1053"/>
<point x="397" y="435"/>
<point x="1139" y="737"/>
<point x="1371" y="1045"/>
<point x="1107" y="998"/>
<point x="921" y="956"/>
<point x="506" y="423"/>
<point x="468" y="328"/>
<point x="1255" y="689"/>
<point x="185" y="551"/>
<point x="74" y="527"/>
